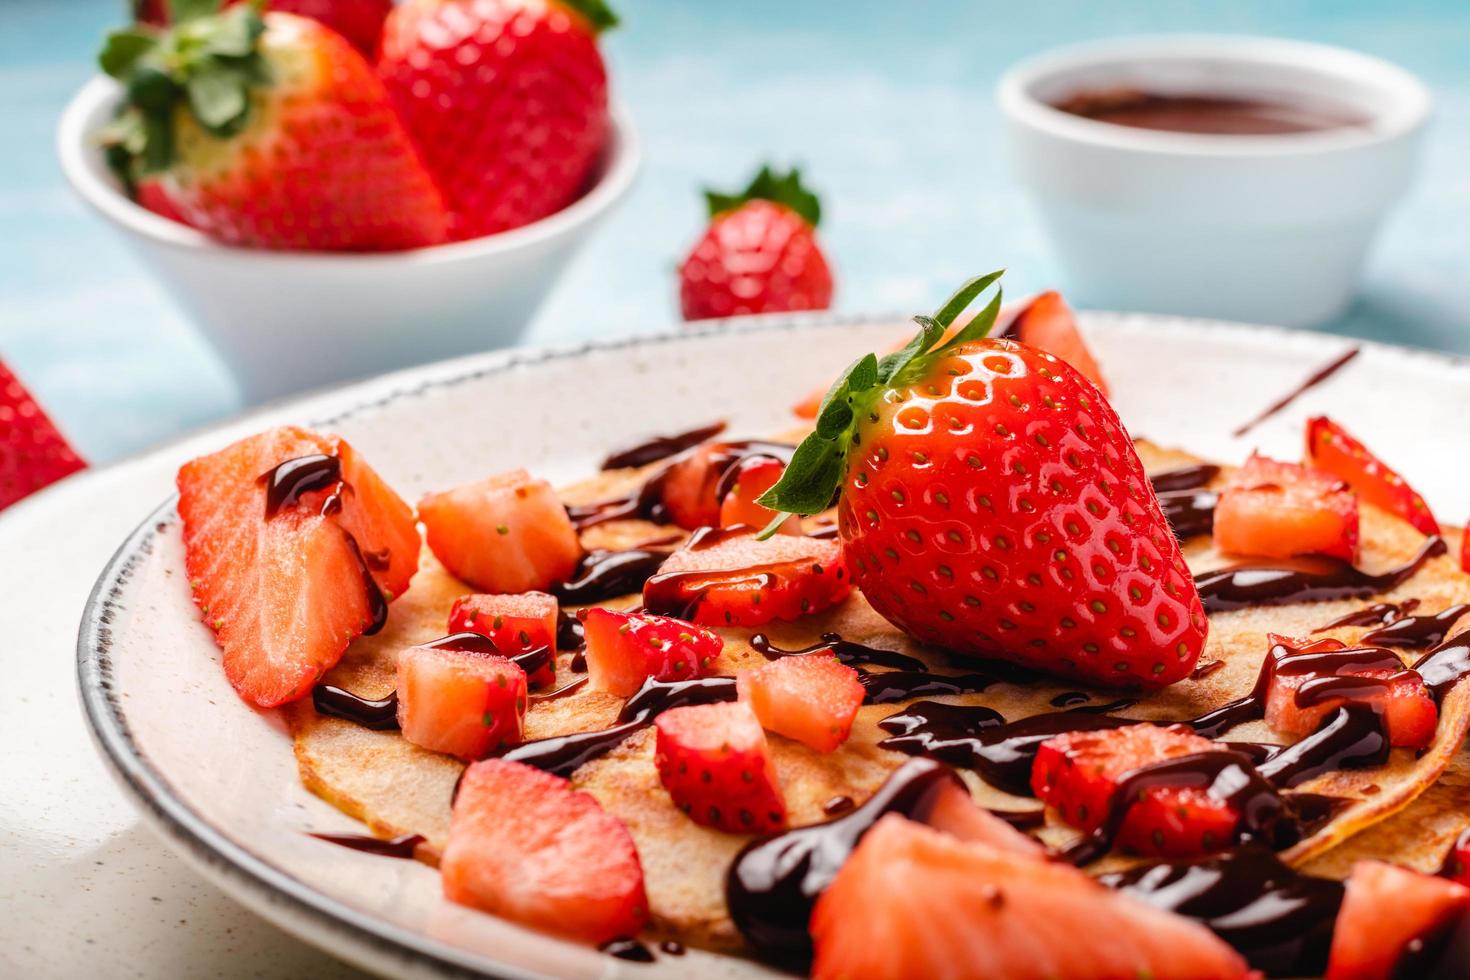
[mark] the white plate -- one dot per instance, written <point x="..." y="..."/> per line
<point x="219" y="780"/>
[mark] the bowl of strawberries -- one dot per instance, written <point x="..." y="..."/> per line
<point x="336" y="188"/>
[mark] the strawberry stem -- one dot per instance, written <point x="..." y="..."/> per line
<point x="595" y="13"/>
<point x="770" y="185"/>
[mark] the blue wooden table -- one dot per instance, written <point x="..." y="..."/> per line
<point x="888" y="105"/>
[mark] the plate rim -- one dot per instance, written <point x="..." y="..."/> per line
<point x="369" y="941"/>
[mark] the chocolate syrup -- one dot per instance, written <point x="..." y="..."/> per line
<point x="1354" y="736"/>
<point x="661" y="447"/>
<point x="1069" y="699"/>
<point x="838" y="805"/>
<point x="655" y="696"/>
<point x="938" y="730"/>
<point x="1444" y="666"/>
<point x="1205" y="669"/>
<point x="394" y="847"/>
<point x="627" y="949"/>
<point x="1210" y="114"/>
<point x="1303" y="580"/>
<point x="1316" y="378"/>
<point x="846" y="651"/>
<point x="672" y="947"/>
<point x="289" y="481"/>
<point x="1417" y="631"/>
<point x="601" y="575"/>
<point x="1378" y="614"/>
<point x="377" y="605"/>
<point x="566" y="690"/>
<point x="1184" y="478"/>
<point x="380" y="715"/>
<point x="900" y="685"/>
<point x="465" y="642"/>
<point x="1189" y="512"/>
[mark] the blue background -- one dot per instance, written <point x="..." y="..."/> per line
<point x="887" y="105"/>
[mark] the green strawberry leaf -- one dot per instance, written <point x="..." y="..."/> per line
<point x="768" y="185"/>
<point x="123" y="49"/>
<point x="185" y="11"/>
<point x="218" y="100"/>
<point x="964" y="296"/>
<point x="595" y="12"/>
<point x="978" y="327"/>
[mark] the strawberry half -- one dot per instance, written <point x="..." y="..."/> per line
<point x="626" y="649"/>
<point x="1047" y="323"/>
<point x="714" y="761"/>
<point x="526" y="846"/>
<point x="728" y="577"/>
<point x="752" y="477"/>
<point x="1333" y="450"/>
<point x="515" y="624"/>
<point x="811" y="698"/>
<point x="460" y="702"/>
<point x="1311" y="679"/>
<point x="1278" y="510"/>
<point x="285" y="592"/>
<point x="33" y="452"/>
<point x="1388" y="914"/>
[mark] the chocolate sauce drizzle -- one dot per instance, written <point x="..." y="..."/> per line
<point x="1312" y="381"/>
<point x="627" y="949"/>
<point x="846" y="651"/>
<point x="393" y="847"/>
<point x="900" y="685"/>
<point x="289" y="481"/>
<point x="380" y="715"/>
<point x="661" y="447"/>
<point x="601" y="575"/>
<point x="1417" y="631"/>
<point x="1303" y="580"/>
<point x="1187" y="505"/>
<point x="1445" y="666"/>
<point x="1378" y="614"/>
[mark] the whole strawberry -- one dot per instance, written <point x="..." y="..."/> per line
<point x="506" y="99"/>
<point x="33" y="454"/>
<point x="270" y="132"/>
<point x="991" y="503"/>
<point x="360" y="21"/>
<point x="759" y="254"/>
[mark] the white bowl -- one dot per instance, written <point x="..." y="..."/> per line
<point x="1272" y="229"/>
<point x="287" y="321"/>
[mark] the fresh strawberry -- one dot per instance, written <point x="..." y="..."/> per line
<point x="1277" y="510"/>
<point x="516" y="624"/>
<point x="753" y="476"/>
<point x="1047" y="323"/>
<point x="153" y="196"/>
<point x="914" y="902"/>
<point x="1077" y="773"/>
<point x="1457" y="863"/>
<point x="1306" y="686"/>
<point x="524" y="845"/>
<point x="33" y="452"/>
<point x="359" y="21"/>
<point x="460" y="702"/>
<point x="689" y="486"/>
<point x="529" y="75"/>
<point x="505" y="534"/>
<point x="760" y="253"/>
<point x="727" y="577"/>
<point x="626" y="649"/>
<point x="1465" y="549"/>
<point x="714" y="761"/>
<point x="810" y="698"/>
<point x="1387" y="914"/>
<point x="992" y="503"/>
<point x="269" y="132"/>
<point x="1331" y="449"/>
<point x="286" y="592"/>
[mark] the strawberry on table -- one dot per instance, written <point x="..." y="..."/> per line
<point x="506" y="534"/>
<point x="1333" y="450"/>
<point x="33" y="452"/>
<point x="359" y="21"/>
<point x="460" y="702"/>
<point x="1278" y="510"/>
<point x="1306" y="687"/>
<point x="992" y="503"/>
<point x="285" y="592"/>
<point x="753" y="476"/>
<point x="810" y="698"/>
<point x="516" y="624"/>
<point x="524" y="845"/>
<point x="714" y="761"/>
<point x="314" y="158"/>
<point x="1387" y="910"/>
<point x="1047" y="323"/>
<point x="625" y="649"/>
<point x="760" y="253"/>
<point x="529" y="76"/>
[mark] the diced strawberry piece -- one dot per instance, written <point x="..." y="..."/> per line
<point x="524" y="845"/>
<point x="460" y="702"/>
<point x="507" y="534"/>
<point x="727" y="577"/>
<point x="516" y="624"/>
<point x="689" y="488"/>
<point x="1310" y="680"/>
<point x="286" y="593"/>
<point x="1333" y="450"/>
<point x="1078" y="772"/>
<point x="810" y="698"/>
<point x="912" y="901"/>
<point x="954" y="811"/>
<point x="1047" y="322"/>
<point x="1277" y="510"/>
<point x="753" y="477"/>
<point x="714" y="761"/>
<point x="1465" y="550"/>
<point x="1457" y="861"/>
<point x="33" y="452"/>
<point x="1387" y="909"/>
<point x="626" y="649"/>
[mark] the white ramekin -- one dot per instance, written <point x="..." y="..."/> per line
<point x="287" y="321"/>
<point x="1271" y="229"/>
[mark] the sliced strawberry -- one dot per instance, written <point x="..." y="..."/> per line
<point x="507" y="534"/>
<point x="1277" y="510"/>
<point x="524" y="845"/>
<point x="915" y="902"/>
<point x="626" y="649"/>
<point x="1047" y="322"/>
<point x="33" y="453"/>
<point x="714" y="761"/>
<point x="1388" y="913"/>
<point x="1331" y="449"/>
<point x="1465" y="550"/>
<point x="689" y="487"/>
<point x="810" y="698"/>
<point x="1077" y="773"/>
<point x="1457" y="862"/>
<point x="286" y="593"/>
<point x="1311" y="679"/>
<point x="516" y="624"/>
<point x="727" y="577"/>
<point x="752" y="477"/>
<point x="460" y="702"/>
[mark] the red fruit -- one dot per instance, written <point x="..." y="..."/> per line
<point x="507" y="100"/>
<point x="728" y="578"/>
<point x="760" y="253"/>
<point x="505" y="534"/>
<point x="1078" y="772"/>
<point x="754" y="476"/>
<point x="1307" y="685"/>
<point x="810" y="698"/>
<point x="460" y="702"/>
<point x="1331" y="449"/>
<point x="1457" y="862"/>
<point x="915" y="902"/>
<point x="516" y="624"/>
<point x="33" y="452"/>
<point x="689" y="486"/>
<point x="316" y="159"/>
<point x="626" y="649"/>
<point x="1465" y="550"/>
<point x="359" y="21"/>
<point x="152" y="195"/>
<point x="1277" y="510"/>
<point x="992" y="504"/>
<point x="286" y="593"/>
<point x="524" y="845"/>
<point x="1047" y="323"/>
<point x="1386" y="910"/>
<point x="714" y="761"/>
